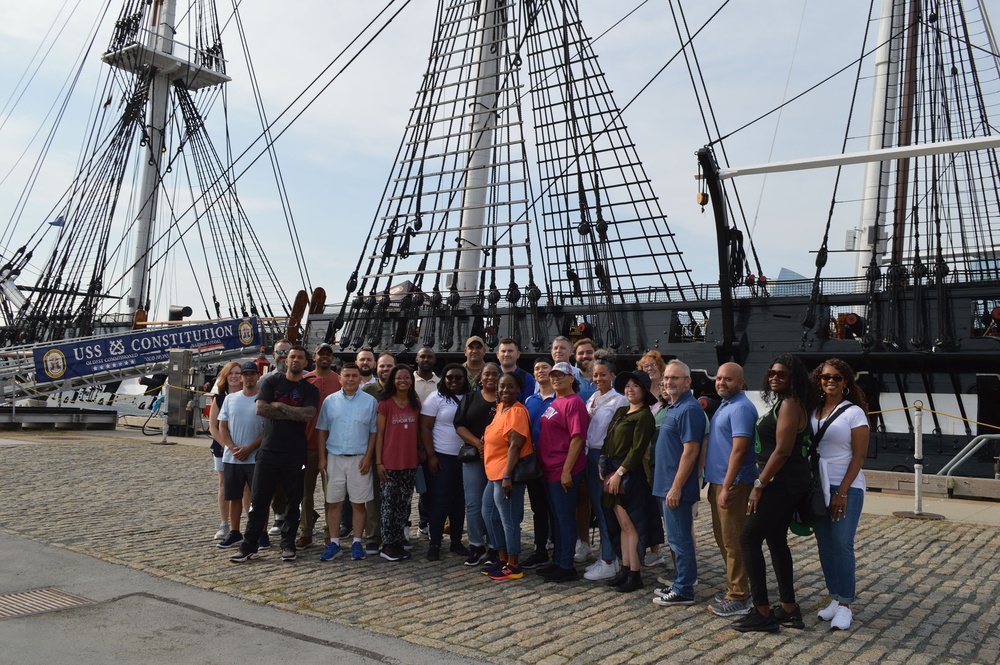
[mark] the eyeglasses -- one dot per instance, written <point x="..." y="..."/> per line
<point x="778" y="374"/>
<point x="281" y="352"/>
<point x="836" y="378"/>
<point x="675" y="378"/>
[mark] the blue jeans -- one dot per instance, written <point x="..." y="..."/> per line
<point x="503" y="516"/>
<point x="595" y="488"/>
<point x="474" y="481"/>
<point x="445" y="499"/>
<point x="562" y="503"/>
<point x="679" y="522"/>
<point x="835" y="541"/>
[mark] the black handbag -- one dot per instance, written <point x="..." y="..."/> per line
<point x="812" y="506"/>
<point x="468" y="453"/>
<point x="526" y="470"/>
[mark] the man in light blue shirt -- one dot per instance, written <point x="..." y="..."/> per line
<point x="730" y="469"/>
<point x="346" y="430"/>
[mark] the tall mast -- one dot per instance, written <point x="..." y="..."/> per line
<point x="876" y="188"/>
<point x="481" y="125"/>
<point x="160" y="39"/>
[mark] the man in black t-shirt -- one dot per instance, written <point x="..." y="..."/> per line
<point x="287" y="402"/>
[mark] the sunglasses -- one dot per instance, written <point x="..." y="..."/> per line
<point x="778" y="374"/>
<point x="453" y="377"/>
<point x="281" y="352"/>
<point x="837" y="378"/>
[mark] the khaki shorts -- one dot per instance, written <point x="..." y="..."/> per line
<point x="343" y="478"/>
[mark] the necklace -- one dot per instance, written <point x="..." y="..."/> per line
<point x="598" y="403"/>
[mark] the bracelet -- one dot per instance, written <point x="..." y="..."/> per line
<point x="842" y="496"/>
<point x="507" y="478"/>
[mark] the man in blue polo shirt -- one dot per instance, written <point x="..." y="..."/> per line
<point x="675" y="480"/>
<point x="346" y="429"/>
<point x="730" y="469"/>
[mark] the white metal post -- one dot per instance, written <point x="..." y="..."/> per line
<point x="918" y="459"/>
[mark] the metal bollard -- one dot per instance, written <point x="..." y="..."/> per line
<point x="918" y="458"/>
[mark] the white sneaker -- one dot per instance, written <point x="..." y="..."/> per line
<point x="842" y="619"/>
<point x="274" y="531"/>
<point x="583" y="551"/>
<point x="222" y="532"/>
<point x="601" y="570"/>
<point x="652" y="559"/>
<point x="828" y="612"/>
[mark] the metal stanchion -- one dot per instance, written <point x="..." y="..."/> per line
<point x="918" y="469"/>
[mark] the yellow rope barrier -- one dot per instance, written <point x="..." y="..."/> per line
<point x="938" y="413"/>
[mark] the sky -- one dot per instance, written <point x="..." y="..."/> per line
<point x="337" y="155"/>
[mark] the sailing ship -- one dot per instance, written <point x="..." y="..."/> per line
<point x="518" y="205"/>
<point x="469" y="239"/>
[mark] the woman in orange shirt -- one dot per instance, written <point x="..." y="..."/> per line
<point x="507" y="439"/>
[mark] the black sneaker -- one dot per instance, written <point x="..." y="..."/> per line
<point x="791" y="619"/>
<point x="755" y="622"/>
<point x="233" y="539"/>
<point x="433" y="552"/>
<point x="561" y="575"/>
<point x="287" y="554"/>
<point x="393" y="553"/>
<point x="459" y="549"/>
<point x="546" y="569"/>
<point x="492" y="558"/>
<point x="492" y="568"/>
<point x="476" y="555"/>
<point x="537" y="558"/>
<point x="243" y="557"/>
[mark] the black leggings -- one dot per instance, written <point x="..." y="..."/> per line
<point x="770" y="523"/>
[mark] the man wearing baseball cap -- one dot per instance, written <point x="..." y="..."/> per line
<point x="475" y="358"/>
<point x="241" y="431"/>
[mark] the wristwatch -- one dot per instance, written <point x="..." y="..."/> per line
<point x="759" y="485"/>
<point x="621" y="474"/>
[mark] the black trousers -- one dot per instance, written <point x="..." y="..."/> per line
<point x="272" y="472"/>
<point x="770" y="524"/>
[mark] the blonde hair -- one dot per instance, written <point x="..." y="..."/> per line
<point x="222" y="381"/>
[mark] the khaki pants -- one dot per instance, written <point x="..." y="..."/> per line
<point x="727" y="525"/>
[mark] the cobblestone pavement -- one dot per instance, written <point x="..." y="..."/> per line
<point x="926" y="590"/>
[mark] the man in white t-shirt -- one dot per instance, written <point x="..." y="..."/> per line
<point x="242" y="432"/>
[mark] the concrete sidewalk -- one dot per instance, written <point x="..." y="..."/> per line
<point x="926" y="589"/>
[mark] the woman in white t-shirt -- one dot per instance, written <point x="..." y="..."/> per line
<point x="842" y="448"/>
<point x="445" y="495"/>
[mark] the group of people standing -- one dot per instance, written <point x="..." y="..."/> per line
<point x="631" y="447"/>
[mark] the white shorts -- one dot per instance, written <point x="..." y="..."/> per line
<point x="217" y="461"/>
<point x="343" y="478"/>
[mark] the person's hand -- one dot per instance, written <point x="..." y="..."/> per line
<point x="753" y="500"/>
<point x="507" y="486"/>
<point x="480" y="444"/>
<point x="433" y="465"/>
<point x="364" y="466"/>
<point x="382" y="474"/>
<point x="566" y="480"/>
<point x="614" y="483"/>
<point x="838" y="506"/>
<point x="673" y="498"/>
<point x="722" y="498"/>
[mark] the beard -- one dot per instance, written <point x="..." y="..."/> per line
<point x="366" y="373"/>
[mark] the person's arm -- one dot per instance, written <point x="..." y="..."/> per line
<point x="322" y="436"/>
<point x="859" y="449"/>
<point x="741" y="444"/>
<point x="427" y="441"/>
<point x="281" y="411"/>
<point x="461" y="417"/>
<point x="379" y="443"/>
<point x="365" y="465"/>
<point x="224" y="438"/>
<point x="515" y="441"/>
<point x="790" y="421"/>
<point x="689" y="460"/>
<point x="642" y="434"/>
<point x="576" y="444"/>
<point x="213" y="420"/>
